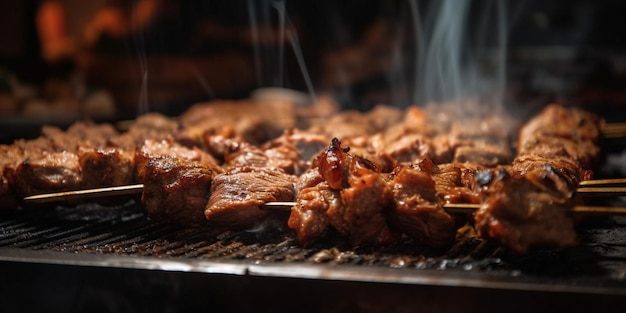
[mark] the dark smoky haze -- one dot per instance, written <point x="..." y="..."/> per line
<point x="161" y="55"/>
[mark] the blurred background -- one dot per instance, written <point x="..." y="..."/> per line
<point x="62" y="60"/>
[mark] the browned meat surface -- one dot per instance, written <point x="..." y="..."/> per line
<point x="90" y="134"/>
<point x="483" y="140"/>
<point x="177" y="181"/>
<point x="584" y="152"/>
<point x="309" y="218"/>
<point x="236" y="196"/>
<point x="152" y="149"/>
<point x="254" y="122"/>
<point x="308" y="144"/>
<point x="153" y="126"/>
<point x="106" y="167"/>
<point x="361" y="214"/>
<point x="46" y="172"/>
<point x="526" y="205"/>
<point x="293" y="150"/>
<point x="418" y="211"/>
<point x="351" y="196"/>
<point x="563" y="132"/>
<point x="240" y="153"/>
<point x="176" y="190"/>
<point x="488" y="155"/>
<point x="346" y="125"/>
<point x="409" y="148"/>
<point x="12" y="156"/>
<point x="355" y="196"/>
<point x="558" y="176"/>
<point x="454" y="182"/>
<point x="521" y="215"/>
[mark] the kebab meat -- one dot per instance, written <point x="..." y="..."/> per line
<point x="390" y="179"/>
<point x="527" y="204"/>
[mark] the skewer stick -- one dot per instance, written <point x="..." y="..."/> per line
<point x="589" y="188"/>
<point x="614" y="130"/>
<point x="601" y="191"/>
<point x="604" y="182"/>
<point x="85" y="194"/>
<point x="458" y="208"/>
<point x="465" y="208"/>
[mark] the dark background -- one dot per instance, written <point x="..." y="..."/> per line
<point x="568" y="51"/>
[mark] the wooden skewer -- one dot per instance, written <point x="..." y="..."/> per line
<point x="614" y="130"/>
<point x="604" y="182"/>
<point x="465" y="208"/>
<point x="592" y="190"/>
<point x="85" y="194"/>
<point x="461" y="208"/>
<point x="602" y="191"/>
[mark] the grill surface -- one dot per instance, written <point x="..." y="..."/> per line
<point x="122" y="237"/>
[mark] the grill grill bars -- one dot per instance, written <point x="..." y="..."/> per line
<point x="124" y="231"/>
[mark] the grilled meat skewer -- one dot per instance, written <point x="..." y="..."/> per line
<point x="382" y="189"/>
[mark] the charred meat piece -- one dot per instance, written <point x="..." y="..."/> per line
<point x="409" y="148"/>
<point x="176" y="190"/>
<point x="354" y="195"/>
<point x="293" y="150"/>
<point x="241" y="153"/>
<point x="418" y="211"/>
<point x="45" y="173"/>
<point x="521" y="215"/>
<point x="167" y="149"/>
<point x="177" y="182"/>
<point x="12" y="156"/>
<point x="361" y="214"/>
<point x="268" y="121"/>
<point x="151" y="126"/>
<point x="483" y="140"/>
<point x="563" y="132"/>
<point x="486" y="155"/>
<point x="526" y="205"/>
<point x="454" y="182"/>
<point x="556" y="176"/>
<point x="106" y="167"/>
<point x="309" y="218"/>
<point x="236" y="196"/>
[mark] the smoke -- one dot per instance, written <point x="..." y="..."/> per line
<point x="139" y="45"/>
<point x="461" y="52"/>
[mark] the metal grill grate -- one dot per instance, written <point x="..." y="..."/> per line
<point x="124" y="231"/>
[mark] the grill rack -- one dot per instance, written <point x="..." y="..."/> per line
<point x="123" y="237"/>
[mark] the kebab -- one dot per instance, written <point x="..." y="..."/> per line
<point x="232" y="150"/>
<point x="527" y="204"/>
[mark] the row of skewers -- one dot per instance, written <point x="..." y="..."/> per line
<point x="192" y="170"/>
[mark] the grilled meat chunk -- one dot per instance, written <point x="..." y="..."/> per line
<point x="418" y="212"/>
<point x="168" y="149"/>
<point x="176" y="190"/>
<point x="267" y="122"/>
<point x="563" y="132"/>
<point x="353" y="195"/>
<point x="525" y="205"/>
<point x="106" y="167"/>
<point x="361" y="214"/>
<point x="46" y="172"/>
<point x="453" y="181"/>
<point x="309" y="218"/>
<point x="520" y="214"/>
<point x="177" y="182"/>
<point x="236" y="196"/>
